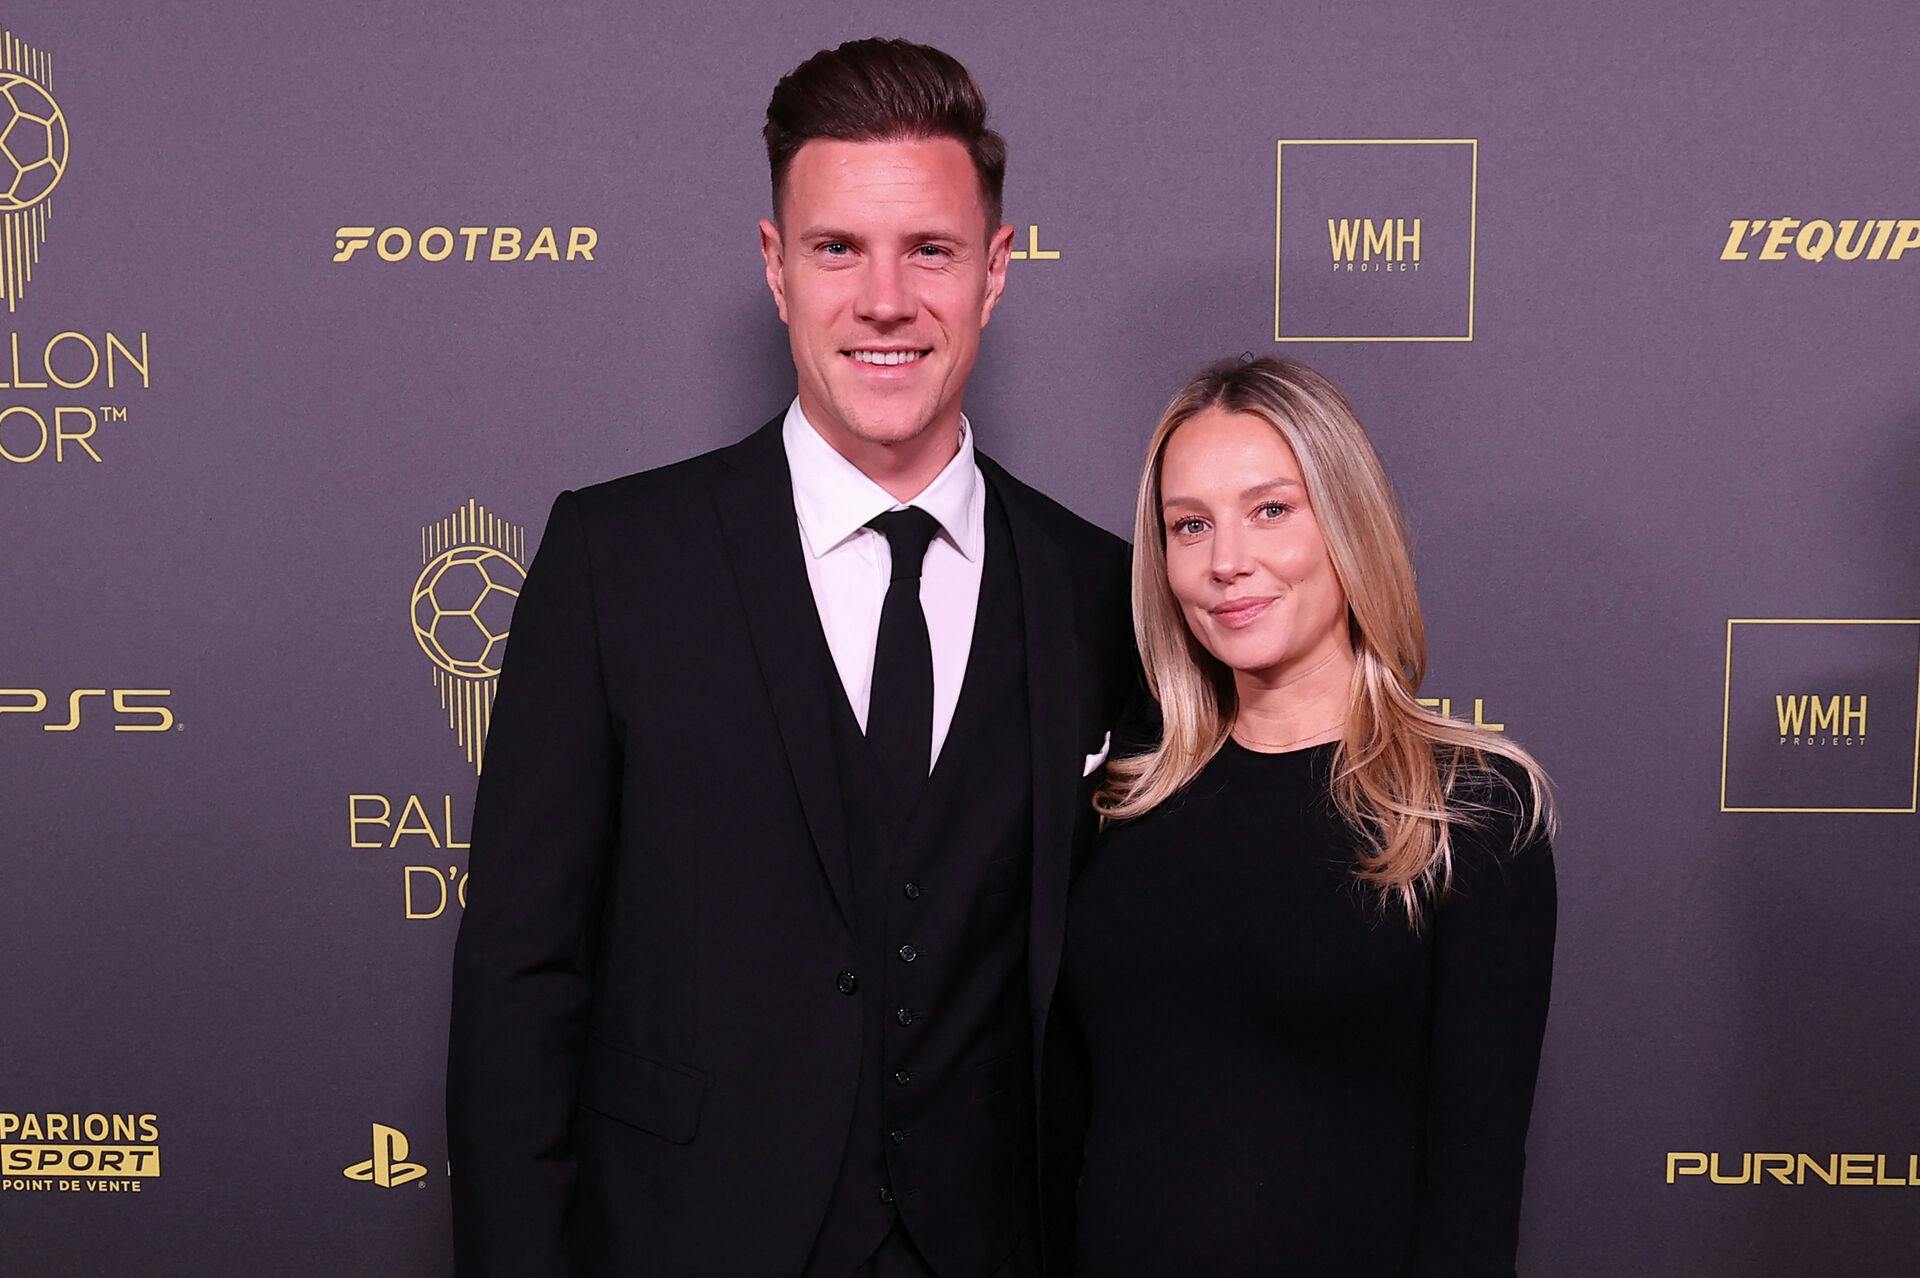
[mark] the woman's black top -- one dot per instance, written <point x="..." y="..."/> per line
<point x="1282" y="1076"/>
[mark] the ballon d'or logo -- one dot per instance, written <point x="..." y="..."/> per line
<point x="33" y="159"/>
<point x="33" y="142"/>
<point x="462" y="606"/>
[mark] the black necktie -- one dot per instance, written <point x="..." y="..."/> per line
<point x="900" y="709"/>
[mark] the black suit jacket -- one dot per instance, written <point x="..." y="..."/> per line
<point x="645" y="1007"/>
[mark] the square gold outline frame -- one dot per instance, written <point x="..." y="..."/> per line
<point x="1473" y="228"/>
<point x="1726" y="705"/>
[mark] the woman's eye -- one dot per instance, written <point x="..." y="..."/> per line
<point x="1273" y="509"/>
<point x="1189" y="527"/>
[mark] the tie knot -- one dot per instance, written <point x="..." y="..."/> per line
<point x="908" y="532"/>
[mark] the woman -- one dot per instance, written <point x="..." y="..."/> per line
<point x="1308" y="961"/>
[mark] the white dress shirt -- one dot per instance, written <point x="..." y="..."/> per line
<point x="849" y="565"/>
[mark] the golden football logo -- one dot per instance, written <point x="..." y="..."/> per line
<point x="33" y="159"/>
<point x="462" y="606"/>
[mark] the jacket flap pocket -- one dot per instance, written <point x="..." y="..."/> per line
<point x="655" y="1096"/>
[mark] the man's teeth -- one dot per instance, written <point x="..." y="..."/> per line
<point x="886" y="357"/>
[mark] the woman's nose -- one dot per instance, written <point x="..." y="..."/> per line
<point x="1229" y="555"/>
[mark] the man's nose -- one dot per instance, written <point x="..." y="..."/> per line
<point x="886" y="293"/>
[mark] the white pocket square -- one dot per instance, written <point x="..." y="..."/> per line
<point x="1099" y="756"/>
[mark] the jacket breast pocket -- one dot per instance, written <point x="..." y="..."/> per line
<point x="653" y="1095"/>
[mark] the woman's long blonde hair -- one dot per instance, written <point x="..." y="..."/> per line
<point x="1404" y="777"/>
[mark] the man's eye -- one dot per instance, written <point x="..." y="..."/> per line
<point x="931" y="250"/>
<point x="834" y="249"/>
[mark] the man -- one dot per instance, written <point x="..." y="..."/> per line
<point x="793" y="745"/>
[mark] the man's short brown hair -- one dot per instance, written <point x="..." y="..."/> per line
<point x="878" y="91"/>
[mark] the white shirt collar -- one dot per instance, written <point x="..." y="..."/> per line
<point x="834" y="498"/>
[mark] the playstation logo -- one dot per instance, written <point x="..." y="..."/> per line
<point x="388" y="1166"/>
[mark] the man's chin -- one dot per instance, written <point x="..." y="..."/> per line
<point x="890" y="427"/>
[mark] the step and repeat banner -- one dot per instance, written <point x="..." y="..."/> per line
<point x="311" y="309"/>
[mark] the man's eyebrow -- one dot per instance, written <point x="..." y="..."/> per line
<point x="830" y="234"/>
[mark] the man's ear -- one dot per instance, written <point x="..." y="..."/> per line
<point x="775" y="254"/>
<point x="999" y="250"/>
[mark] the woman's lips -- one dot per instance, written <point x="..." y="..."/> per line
<point x="1237" y="614"/>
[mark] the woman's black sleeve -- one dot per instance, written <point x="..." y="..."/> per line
<point x="1492" y="970"/>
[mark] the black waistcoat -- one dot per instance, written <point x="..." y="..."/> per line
<point x="942" y="1125"/>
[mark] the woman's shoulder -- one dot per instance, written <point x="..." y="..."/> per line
<point x="1505" y="813"/>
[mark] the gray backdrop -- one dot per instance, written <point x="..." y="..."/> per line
<point x="1647" y="438"/>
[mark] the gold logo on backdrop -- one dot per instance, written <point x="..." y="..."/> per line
<point x="1033" y="252"/>
<point x="1797" y="1168"/>
<point x="388" y="1166"/>
<point x="465" y="244"/>
<point x="33" y="159"/>
<point x="462" y="606"/>
<point x="1375" y="245"/>
<point x="1883" y="239"/>
<point x="126" y="706"/>
<point x="1444" y="706"/>
<point x="1815" y="720"/>
<point x="1820" y="721"/>
<point x="93" y="1152"/>
<point x="1362" y="244"/>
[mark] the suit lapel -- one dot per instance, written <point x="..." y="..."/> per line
<point x="1046" y="597"/>
<point x="755" y="507"/>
